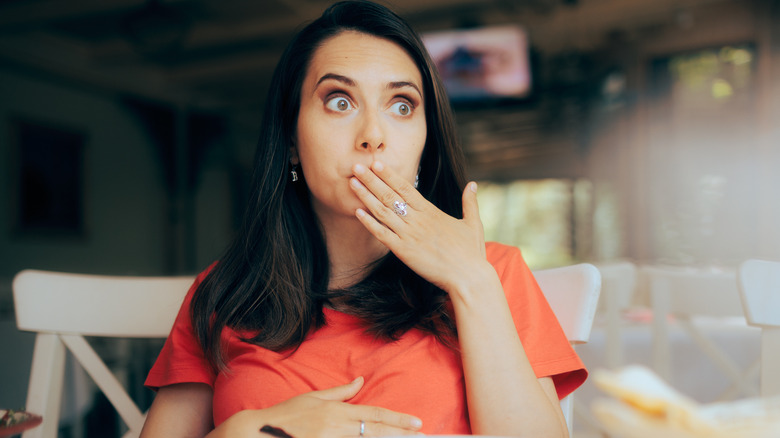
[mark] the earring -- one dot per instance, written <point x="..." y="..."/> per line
<point x="294" y="173"/>
<point x="416" y="180"/>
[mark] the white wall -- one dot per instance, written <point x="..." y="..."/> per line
<point x="124" y="201"/>
<point x="124" y="205"/>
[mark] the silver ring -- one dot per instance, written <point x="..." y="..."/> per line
<point x="399" y="207"/>
<point x="362" y="428"/>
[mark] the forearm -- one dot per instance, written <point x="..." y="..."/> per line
<point x="241" y="424"/>
<point x="504" y="395"/>
<point x="180" y="410"/>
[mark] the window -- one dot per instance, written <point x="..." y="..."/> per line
<point x="49" y="173"/>
<point x="550" y="220"/>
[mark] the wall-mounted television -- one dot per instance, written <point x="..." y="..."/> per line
<point x="487" y="63"/>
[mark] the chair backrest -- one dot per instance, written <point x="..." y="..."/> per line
<point x="688" y="295"/>
<point x="618" y="286"/>
<point x="62" y="308"/>
<point x="759" y="288"/>
<point x="694" y="291"/>
<point x="573" y="294"/>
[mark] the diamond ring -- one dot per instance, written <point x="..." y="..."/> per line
<point x="399" y="207"/>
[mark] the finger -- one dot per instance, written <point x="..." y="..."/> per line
<point x="377" y="418"/>
<point x="397" y="183"/>
<point x="470" y="206"/>
<point x="381" y="212"/>
<point x="378" y="429"/>
<point x="471" y="213"/>
<point x="382" y="233"/>
<point x="341" y="392"/>
<point x="376" y="186"/>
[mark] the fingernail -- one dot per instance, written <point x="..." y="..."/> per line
<point x="359" y="169"/>
<point x="473" y="186"/>
<point x="378" y="166"/>
<point x="355" y="183"/>
<point x="416" y="422"/>
<point x="358" y="378"/>
<point x="360" y="213"/>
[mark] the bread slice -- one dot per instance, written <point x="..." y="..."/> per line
<point x="647" y="407"/>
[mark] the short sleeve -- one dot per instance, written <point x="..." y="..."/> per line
<point x="181" y="359"/>
<point x="543" y="339"/>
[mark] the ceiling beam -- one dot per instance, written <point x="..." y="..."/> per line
<point x="31" y="14"/>
<point x="223" y="68"/>
<point x="57" y="58"/>
<point x="213" y="33"/>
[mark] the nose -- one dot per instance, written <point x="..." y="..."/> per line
<point x="371" y="135"/>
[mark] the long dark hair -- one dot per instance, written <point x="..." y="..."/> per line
<point x="272" y="280"/>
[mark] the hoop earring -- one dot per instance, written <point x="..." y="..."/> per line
<point x="294" y="173"/>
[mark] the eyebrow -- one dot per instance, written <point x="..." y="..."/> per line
<point x="335" y="77"/>
<point x="403" y="84"/>
<point x="348" y="81"/>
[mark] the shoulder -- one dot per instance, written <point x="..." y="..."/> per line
<point x="198" y="281"/>
<point x="203" y="274"/>
<point x="512" y="270"/>
<point x="504" y="257"/>
<point x="499" y="251"/>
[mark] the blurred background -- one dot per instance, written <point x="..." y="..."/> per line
<point x="599" y="130"/>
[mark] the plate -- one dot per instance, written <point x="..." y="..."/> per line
<point x="22" y="421"/>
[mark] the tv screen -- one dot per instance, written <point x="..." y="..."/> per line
<point x="483" y="63"/>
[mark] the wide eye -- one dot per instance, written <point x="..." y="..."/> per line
<point x="402" y="108"/>
<point x="338" y="103"/>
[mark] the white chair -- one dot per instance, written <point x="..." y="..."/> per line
<point x="618" y="283"/>
<point x="63" y="308"/>
<point x="573" y="294"/>
<point x="759" y="288"/>
<point x="688" y="295"/>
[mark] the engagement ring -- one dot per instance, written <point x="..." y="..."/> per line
<point x="400" y="208"/>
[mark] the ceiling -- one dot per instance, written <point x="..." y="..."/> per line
<point x="219" y="54"/>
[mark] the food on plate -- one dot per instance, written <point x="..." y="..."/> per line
<point x="645" y="406"/>
<point x="642" y="389"/>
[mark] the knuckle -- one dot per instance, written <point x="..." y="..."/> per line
<point x="383" y="234"/>
<point x="381" y="213"/>
<point x="388" y="198"/>
<point x="385" y="214"/>
<point x="407" y="191"/>
<point x="377" y="415"/>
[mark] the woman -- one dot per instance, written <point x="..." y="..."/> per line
<point x="353" y="301"/>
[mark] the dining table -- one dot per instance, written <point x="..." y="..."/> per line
<point x="693" y="373"/>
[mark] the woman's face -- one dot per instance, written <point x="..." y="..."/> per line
<point x="361" y="101"/>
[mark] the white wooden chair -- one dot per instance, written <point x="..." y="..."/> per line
<point x="573" y="294"/>
<point x="687" y="295"/>
<point x="618" y="284"/>
<point x="759" y="288"/>
<point x="63" y="308"/>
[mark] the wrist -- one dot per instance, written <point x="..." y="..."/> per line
<point x="474" y="284"/>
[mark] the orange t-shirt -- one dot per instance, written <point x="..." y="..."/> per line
<point x="415" y="375"/>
